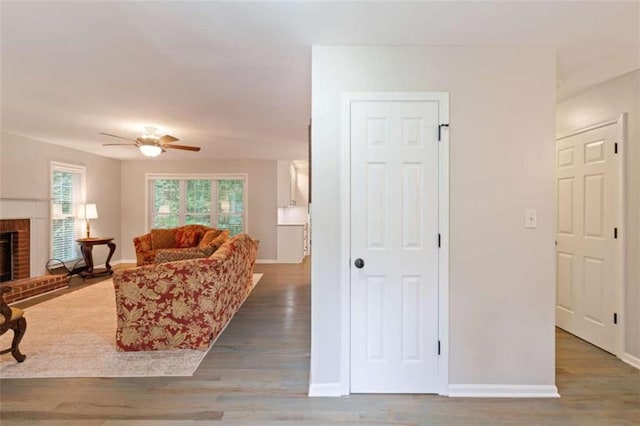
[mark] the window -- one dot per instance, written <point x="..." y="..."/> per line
<point x="67" y="191"/>
<point x="213" y="200"/>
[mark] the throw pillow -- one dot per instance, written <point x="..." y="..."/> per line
<point x="186" y="238"/>
<point x="163" y="238"/>
<point x="208" y="237"/>
<point x="211" y="243"/>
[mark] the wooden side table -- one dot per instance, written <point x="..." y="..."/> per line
<point x="86" y="247"/>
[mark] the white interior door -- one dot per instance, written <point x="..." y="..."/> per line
<point x="587" y="190"/>
<point x="394" y="231"/>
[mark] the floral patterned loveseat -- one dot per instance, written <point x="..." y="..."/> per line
<point x="183" y="304"/>
<point x="183" y="242"/>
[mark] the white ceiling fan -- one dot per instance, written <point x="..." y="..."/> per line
<point x="151" y="144"/>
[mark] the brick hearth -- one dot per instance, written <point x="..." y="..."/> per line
<point x="29" y="287"/>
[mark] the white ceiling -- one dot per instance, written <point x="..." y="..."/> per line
<point x="235" y="77"/>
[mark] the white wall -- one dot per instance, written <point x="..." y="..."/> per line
<point x="502" y="276"/>
<point x="25" y="189"/>
<point x="604" y="102"/>
<point x="262" y="185"/>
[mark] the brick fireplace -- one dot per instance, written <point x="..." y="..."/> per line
<point x="17" y="234"/>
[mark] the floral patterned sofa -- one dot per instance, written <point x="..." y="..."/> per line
<point x="183" y="242"/>
<point x="183" y="304"/>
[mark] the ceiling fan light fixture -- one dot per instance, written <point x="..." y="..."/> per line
<point x="151" y="144"/>
<point x="150" y="150"/>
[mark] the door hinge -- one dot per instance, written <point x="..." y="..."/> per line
<point x="615" y="148"/>
<point x="439" y="239"/>
<point x="615" y="233"/>
<point x="440" y="130"/>
<point x="438" y="347"/>
<point x="615" y="318"/>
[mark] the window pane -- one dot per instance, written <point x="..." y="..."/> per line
<point x="165" y="221"/>
<point x="198" y="219"/>
<point x="198" y="196"/>
<point x="166" y="203"/>
<point x="63" y="190"/>
<point x="231" y="205"/>
<point x="65" y="246"/>
<point x="234" y="224"/>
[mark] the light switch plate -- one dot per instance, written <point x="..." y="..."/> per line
<point x="530" y="219"/>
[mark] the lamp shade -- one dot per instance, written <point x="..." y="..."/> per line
<point x="87" y="211"/>
<point x="150" y="150"/>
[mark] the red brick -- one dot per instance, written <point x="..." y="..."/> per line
<point x="22" y="258"/>
<point x="29" y="287"/>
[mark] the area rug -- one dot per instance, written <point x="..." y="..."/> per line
<point x="84" y="344"/>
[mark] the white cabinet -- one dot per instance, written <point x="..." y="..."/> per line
<point x="293" y="183"/>
<point x="291" y="243"/>
<point x="293" y="196"/>
<point x="301" y="183"/>
<point x="307" y="241"/>
<point x="286" y="184"/>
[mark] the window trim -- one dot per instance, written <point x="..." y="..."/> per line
<point x="204" y="176"/>
<point x="70" y="168"/>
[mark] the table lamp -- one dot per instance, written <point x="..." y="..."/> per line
<point x="87" y="212"/>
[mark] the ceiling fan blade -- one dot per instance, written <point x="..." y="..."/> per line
<point x="185" y="147"/>
<point x="116" y="136"/>
<point x="168" y="139"/>
<point x="122" y="144"/>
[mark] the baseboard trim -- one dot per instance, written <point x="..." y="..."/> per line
<point x="266" y="261"/>
<point x="325" y="389"/>
<point x="503" y="391"/>
<point x="631" y="360"/>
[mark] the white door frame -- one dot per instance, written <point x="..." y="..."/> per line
<point x="443" y="221"/>
<point x="619" y="278"/>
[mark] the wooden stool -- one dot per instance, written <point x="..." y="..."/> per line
<point x="12" y="318"/>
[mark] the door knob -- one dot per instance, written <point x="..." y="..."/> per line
<point x="359" y="263"/>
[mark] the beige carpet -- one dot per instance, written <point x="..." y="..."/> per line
<point x="84" y="344"/>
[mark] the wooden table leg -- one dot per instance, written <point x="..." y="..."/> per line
<point x="88" y="256"/>
<point x="112" y="249"/>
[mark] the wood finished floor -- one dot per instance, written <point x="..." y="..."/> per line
<point x="258" y="374"/>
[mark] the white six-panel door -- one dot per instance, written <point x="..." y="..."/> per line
<point x="587" y="213"/>
<point x="394" y="230"/>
